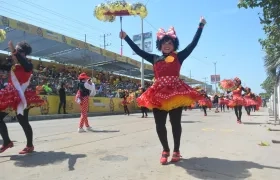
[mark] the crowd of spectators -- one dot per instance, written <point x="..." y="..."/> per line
<point x="47" y="79"/>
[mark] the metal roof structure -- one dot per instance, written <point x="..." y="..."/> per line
<point x="52" y="46"/>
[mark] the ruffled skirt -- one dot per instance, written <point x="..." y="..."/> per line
<point x="168" y="93"/>
<point x="205" y="102"/>
<point x="10" y="99"/>
<point x="249" y="102"/>
<point x="237" y="100"/>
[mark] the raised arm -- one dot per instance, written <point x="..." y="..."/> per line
<point x="147" y="56"/>
<point x="243" y="89"/>
<point x="182" y="55"/>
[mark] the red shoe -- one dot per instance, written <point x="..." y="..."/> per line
<point x="176" y="157"/>
<point x="164" y="157"/>
<point x="4" y="148"/>
<point x="239" y="121"/>
<point x="27" y="150"/>
<point x="205" y="114"/>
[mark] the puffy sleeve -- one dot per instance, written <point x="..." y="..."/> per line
<point x="90" y="87"/>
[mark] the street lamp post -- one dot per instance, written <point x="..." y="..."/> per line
<point x="142" y="62"/>
<point x="215" y="63"/>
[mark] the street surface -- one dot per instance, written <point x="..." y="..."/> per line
<point x="127" y="148"/>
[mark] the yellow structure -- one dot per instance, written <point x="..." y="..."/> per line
<point x="96" y="105"/>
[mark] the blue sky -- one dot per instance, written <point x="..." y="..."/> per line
<point x="230" y="37"/>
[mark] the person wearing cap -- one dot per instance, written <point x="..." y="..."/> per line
<point x="16" y="96"/>
<point x="86" y="89"/>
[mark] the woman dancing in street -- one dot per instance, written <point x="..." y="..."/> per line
<point x="222" y="102"/>
<point x="168" y="94"/>
<point x="16" y="96"/>
<point x="249" y="101"/>
<point x="205" y="102"/>
<point x="237" y="100"/>
<point x="143" y="109"/>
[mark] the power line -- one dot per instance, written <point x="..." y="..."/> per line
<point x="147" y="2"/>
<point x="150" y="24"/>
<point x="60" y="15"/>
<point x="39" y="15"/>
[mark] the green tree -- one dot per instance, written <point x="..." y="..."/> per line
<point x="270" y="19"/>
<point x="268" y="84"/>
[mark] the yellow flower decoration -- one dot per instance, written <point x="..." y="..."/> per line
<point x="2" y="35"/>
<point x="169" y="59"/>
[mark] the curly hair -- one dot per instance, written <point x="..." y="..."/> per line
<point x="165" y="39"/>
<point x="24" y="47"/>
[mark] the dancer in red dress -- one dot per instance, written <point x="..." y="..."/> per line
<point x="16" y="96"/>
<point x="237" y="100"/>
<point x="169" y="94"/>
<point x="124" y="104"/>
<point x="249" y="101"/>
<point x="222" y="102"/>
<point x="205" y="102"/>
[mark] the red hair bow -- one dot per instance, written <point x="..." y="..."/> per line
<point x="171" y="33"/>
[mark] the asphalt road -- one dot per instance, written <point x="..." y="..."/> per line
<point x="127" y="148"/>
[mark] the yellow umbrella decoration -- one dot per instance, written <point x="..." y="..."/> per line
<point x="2" y="35"/>
<point x="108" y="12"/>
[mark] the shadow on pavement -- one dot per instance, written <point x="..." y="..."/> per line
<point x="104" y="131"/>
<point x="191" y="122"/>
<point x="252" y="123"/>
<point x="46" y="158"/>
<point x="219" y="169"/>
<point x="258" y="114"/>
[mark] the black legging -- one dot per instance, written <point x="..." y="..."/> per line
<point x="175" y="119"/>
<point x="126" y="110"/>
<point x="238" y="112"/>
<point x="23" y="121"/>
<point x="254" y="108"/>
<point x="144" y="111"/>
<point x="222" y="106"/>
<point x="248" y="109"/>
<point x="204" y="109"/>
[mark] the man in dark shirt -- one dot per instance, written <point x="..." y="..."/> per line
<point x="62" y="98"/>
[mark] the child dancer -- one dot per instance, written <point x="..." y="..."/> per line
<point x="168" y="94"/>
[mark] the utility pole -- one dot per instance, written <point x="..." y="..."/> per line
<point x="205" y="81"/>
<point x="190" y="74"/>
<point x="105" y="44"/>
<point x="215" y="63"/>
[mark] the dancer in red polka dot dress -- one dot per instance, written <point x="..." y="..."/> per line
<point x="169" y="94"/>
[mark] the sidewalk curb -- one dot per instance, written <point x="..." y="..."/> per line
<point x="67" y="116"/>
